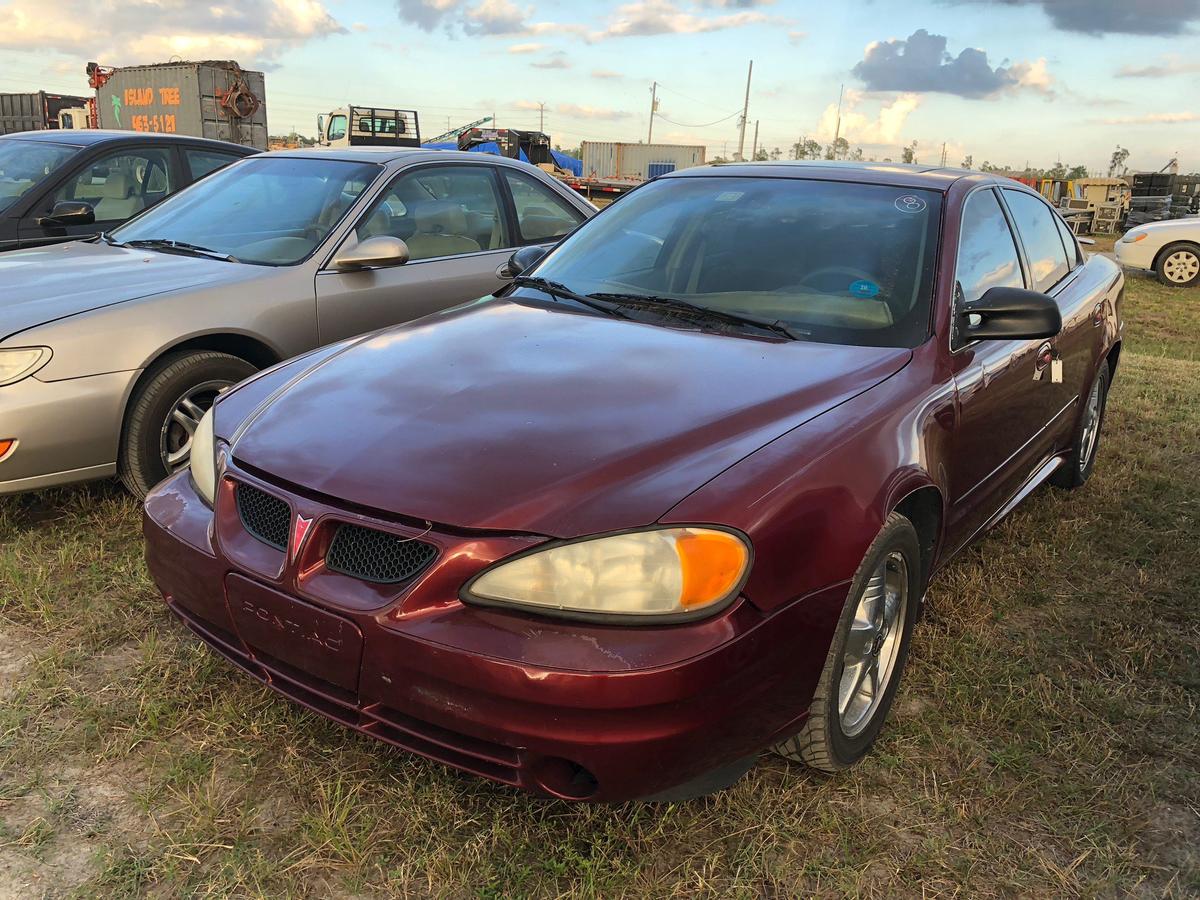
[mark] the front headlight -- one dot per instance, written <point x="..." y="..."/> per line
<point x="203" y="459"/>
<point x="661" y="572"/>
<point x="21" y="363"/>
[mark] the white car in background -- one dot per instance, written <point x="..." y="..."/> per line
<point x="1170" y="249"/>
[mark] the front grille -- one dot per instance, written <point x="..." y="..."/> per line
<point x="376" y="555"/>
<point x="263" y="515"/>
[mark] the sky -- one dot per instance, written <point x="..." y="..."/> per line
<point x="1011" y="82"/>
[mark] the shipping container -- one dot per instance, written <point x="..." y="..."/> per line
<point x="34" y="112"/>
<point x="211" y="99"/>
<point x="611" y="159"/>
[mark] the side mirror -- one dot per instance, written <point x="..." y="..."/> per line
<point x="522" y="261"/>
<point x="68" y="212"/>
<point x="377" y="252"/>
<point x="321" y="128"/>
<point x="1006" y="314"/>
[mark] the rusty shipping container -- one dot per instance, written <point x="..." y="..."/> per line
<point x="208" y="99"/>
<point x="612" y="159"/>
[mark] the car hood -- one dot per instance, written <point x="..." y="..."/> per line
<point x="517" y="417"/>
<point x="49" y="283"/>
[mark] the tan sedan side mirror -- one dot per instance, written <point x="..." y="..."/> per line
<point x="374" y="253"/>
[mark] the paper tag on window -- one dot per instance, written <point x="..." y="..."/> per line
<point x="1056" y="371"/>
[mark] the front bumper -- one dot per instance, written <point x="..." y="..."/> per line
<point x="585" y="712"/>
<point x="66" y="430"/>
<point x="1136" y="254"/>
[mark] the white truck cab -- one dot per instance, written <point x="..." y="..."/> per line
<point x="368" y="126"/>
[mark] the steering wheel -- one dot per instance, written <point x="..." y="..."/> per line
<point x="855" y="274"/>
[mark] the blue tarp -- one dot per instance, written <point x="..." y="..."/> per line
<point x="487" y="147"/>
<point x="570" y="163"/>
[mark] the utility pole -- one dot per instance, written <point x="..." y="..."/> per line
<point x="745" y="115"/>
<point x="837" y="129"/>
<point x="754" y="149"/>
<point x="943" y="153"/>
<point x="653" y="109"/>
<point x="542" y="117"/>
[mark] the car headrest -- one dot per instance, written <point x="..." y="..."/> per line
<point x="440" y="217"/>
<point x="116" y="186"/>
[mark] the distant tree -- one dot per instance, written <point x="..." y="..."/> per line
<point x="760" y="155"/>
<point x="776" y="153"/>
<point x="806" y="149"/>
<point x="1116" y="164"/>
<point x="1058" y="170"/>
<point x="719" y="159"/>
<point x="969" y="162"/>
<point x="839" y="149"/>
<point x="1077" y="172"/>
<point x="857" y="154"/>
<point x="909" y="154"/>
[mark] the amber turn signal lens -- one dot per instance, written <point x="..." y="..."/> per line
<point x="1140" y="237"/>
<point x="712" y="562"/>
<point x="6" y="445"/>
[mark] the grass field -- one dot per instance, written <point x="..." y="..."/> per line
<point x="1046" y="739"/>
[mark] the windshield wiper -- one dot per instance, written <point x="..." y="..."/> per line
<point x="561" y="291"/>
<point x="706" y="312"/>
<point x="170" y="246"/>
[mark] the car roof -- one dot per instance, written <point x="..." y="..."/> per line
<point x="381" y="155"/>
<point x="87" y="137"/>
<point x="937" y="178"/>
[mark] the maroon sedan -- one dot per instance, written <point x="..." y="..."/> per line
<point x="672" y="497"/>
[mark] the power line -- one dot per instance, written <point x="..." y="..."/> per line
<point x="705" y="125"/>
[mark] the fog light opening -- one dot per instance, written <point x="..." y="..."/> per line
<point x="564" y="778"/>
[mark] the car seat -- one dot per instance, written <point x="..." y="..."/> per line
<point x="114" y="198"/>
<point x="441" y="231"/>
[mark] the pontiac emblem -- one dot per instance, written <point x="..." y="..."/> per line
<point x="299" y="533"/>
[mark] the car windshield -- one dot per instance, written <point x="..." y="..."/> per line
<point x="24" y="163"/>
<point x="836" y="262"/>
<point x="266" y="210"/>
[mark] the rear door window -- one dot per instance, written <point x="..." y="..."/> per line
<point x="204" y="162"/>
<point x="1039" y="234"/>
<point x="541" y="215"/>
<point x="121" y="184"/>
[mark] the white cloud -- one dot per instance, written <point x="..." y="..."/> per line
<point x="553" y="61"/>
<point x="250" y="31"/>
<point x="525" y="48"/>
<point x="1171" y="65"/>
<point x="1173" y="118"/>
<point x="647" y="17"/>
<point x="496" y="17"/>
<point x="606" y="74"/>
<point x="591" y="112"/>
<point x="858" y="127"/>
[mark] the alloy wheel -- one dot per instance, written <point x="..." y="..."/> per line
<point x="175" y="440"/>
<point x="1182" y="266"/>
<point x="1091" y="427"/>
<point x="869" y="658"/>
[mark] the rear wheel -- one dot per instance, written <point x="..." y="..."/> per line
<point x="165" y="410"/>
<point x="1078" y="466"/>
<point x="866" y="658"/>
<point x="1179" y="265"/>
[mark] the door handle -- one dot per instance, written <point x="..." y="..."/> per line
<point x="1045" y="356"/>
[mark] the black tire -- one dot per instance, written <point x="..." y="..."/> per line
<point x="823" y="743"/>
<point x="1077" y="468"/>
<point x="1179" y="261"/>
<point x="164" y="386"/>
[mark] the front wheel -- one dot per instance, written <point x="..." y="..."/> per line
<point x="867" y="655"/>
<point x="1179" y="266"/>
<point x="1078" y="466"/>
<point x="156" y="440"/>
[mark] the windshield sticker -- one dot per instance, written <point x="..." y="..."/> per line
<point x="729" y="196"/>
<point x="864" y="288"/>
<point x="910" y="203"/>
